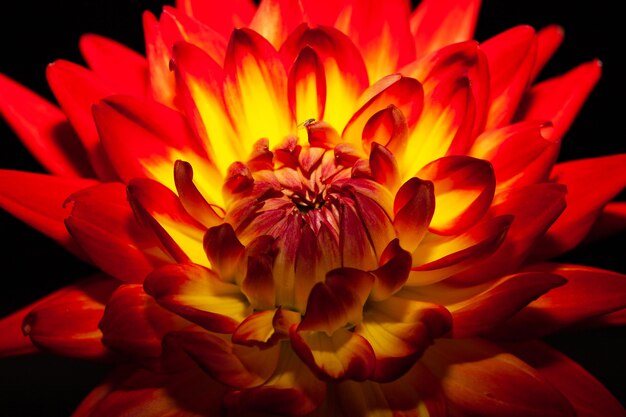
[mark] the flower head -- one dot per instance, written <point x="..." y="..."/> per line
<point x="323" y="209"/>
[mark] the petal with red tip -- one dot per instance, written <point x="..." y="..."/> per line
<point x="307" y="87"/>
<point x="588" y="397"/>
<point x="548" y="41"/>
<point x="77" y="89"/>
<point x="67" y="323"/>
<point x="589" y="293"/>
<point x="337" y="301"/>
<point x="258" y="284"/>
<point x="399" y="331"/>
<point x="162" y="210"/>
<point x="43" y="129"/>
<point x="221" y="16"/>
<point x="344" y="69"/>
<point x="384" y="167"/>
<point x="591" y="184"/>
<point x="122" y="68"/>
<point x="38" y="200"/>
<point x="159" y="54"/>
<point x="395" y="264"/>
<point x="135" y="324"/>
<point x="256" y="330"/>
<point x="437" y="23"/>
<point x="559" y="99"/>
<point x="191" y="198"/>
<point x="225" y="252"/>
<point x="381" y="32"/>
<point x="413" y="209"/>
<point x="234" y="365"/>
<point x="388" y="128"/>
<point x="197" y="294"/>
<point x="103" y="223"/>
<point x="480" y="379"/>
<point x="402" y="92"/>
<point x="520" y="154"/>
<point x="255" y="90"/>
<point x="292" y="391"/>
<point x="535" y="208"/>
<point x="342" y="355"/>
<point x="276" y="19"/>
<point x="142" y="393"/>
<point x="464" y="189"/>
<point x="511" y="58"/>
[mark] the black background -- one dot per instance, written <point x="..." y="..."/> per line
<point x="35" y="34"/>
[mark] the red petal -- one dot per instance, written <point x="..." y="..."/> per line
<point x="258" y="284"/>
<point x="384" y="167"/>
<point x="234" y="365"/>
<point x="140" y="393"/>
<point x="77" y="89"/>
<point x="511" y="57"/>
<point x="276" y="19"/>
<point x="479" y="379"/>
<point x="413" y="209"/>
<point x="559" y="99"/>
<point x="122" y="68"/>
<point x="337" y="301"/>
<point x="226" y="254"/>
<point x="381" y="32"/>
<point x="191" y="198"/>
<point x="159" y="54"/>
<point x="548" y="41"/>
<point x="103" y="223"/>
<point x="464" y="189"/>
<point x="255" y="89"/>
<point x="159" y="207"/>
<point x="520" y="154"/>
<point x="43" y="129"/>
<point x="66" y="323"/>
<point x="437" y="23"/>
<point x="399" y="331"/>
<point x="322" y="12"/>
<point x="38" y="200"/>
<point x="612" y="220"/>
<point x="393" y="272"/>
<point x="589" y="293"/>
<point x="388" y="128"/>
<point x="591" y="184"/>
<point x="588" y="397"/>
<point x="219" y="15"/>
<point x="197" y="294"/>
<point x="307" y="87"/>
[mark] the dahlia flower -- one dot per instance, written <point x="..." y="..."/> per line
<point x="318" y="208"/>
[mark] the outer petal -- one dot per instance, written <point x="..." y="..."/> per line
<point x="591" y="184"/>
<point x="197" y="294"/>
<point x="586" y="394"/>
<point x="548" y="41"/>
<point x="141" y="393"/>
<point x="67" y="322"/>
<point x="612" y="220"/>
<point x="589" y="293"/>
<point x="159" y="53"/>
<point x="276" y="19"/>
<point x="77" y="89"/>
<point x="43" y="129"/>
<point x="221" y="16"/>
<point x="480" y="379"/>
<point x="37" y="199"/>
<point x="103" y="223"/>
<point x="122" y="68"/>
<point x="559" y="99"/>
<point x="437" y="23"/>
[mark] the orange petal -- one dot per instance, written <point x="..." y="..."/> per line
<point x="67" y="323"/>
<point x="255" y="90"/>
<point x="197" y="294"/>
<point x="511" y="57"/>
<point x="121" y="67"/>
<point x="437" y="23"/>
<point x="307" y="87"/>
<point x="37" y="199"/>
<point x="192" y="200"/>
<point x="413" y="209"/>
<point x="103" y="223"/>
<point x="591" y="184"/>
<point x="559" y="99"/>
<point x="257" y="330"/>
<point x="464" y="189"/>
<point x="77" y="89"/>
<point x="381" y="32"/>
<point x="548" y="41"/>
<point x="399" y="331"/>
<point x="480" y="379"/>
<point x="220" y="16"/>
<point x="589" y="292"/>
<point x="384" y="167"/>
<point x="44" y="130"/>
<point x="276" y="19"/>
<point x="520" y="154"/>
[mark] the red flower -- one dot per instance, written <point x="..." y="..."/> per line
<point x="339" y="208"/>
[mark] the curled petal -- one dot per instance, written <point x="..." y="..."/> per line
<point x="197" y="294"/>
<point x="413" y="209"/>
<point x="192" y="200"/>
<point x="393" y="272"/>
<point x="307" y="87"/>
<point x="226" y="254"/>
<point x="265" y="328"/>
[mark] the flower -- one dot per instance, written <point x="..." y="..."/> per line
<point x="320" y="224"/>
